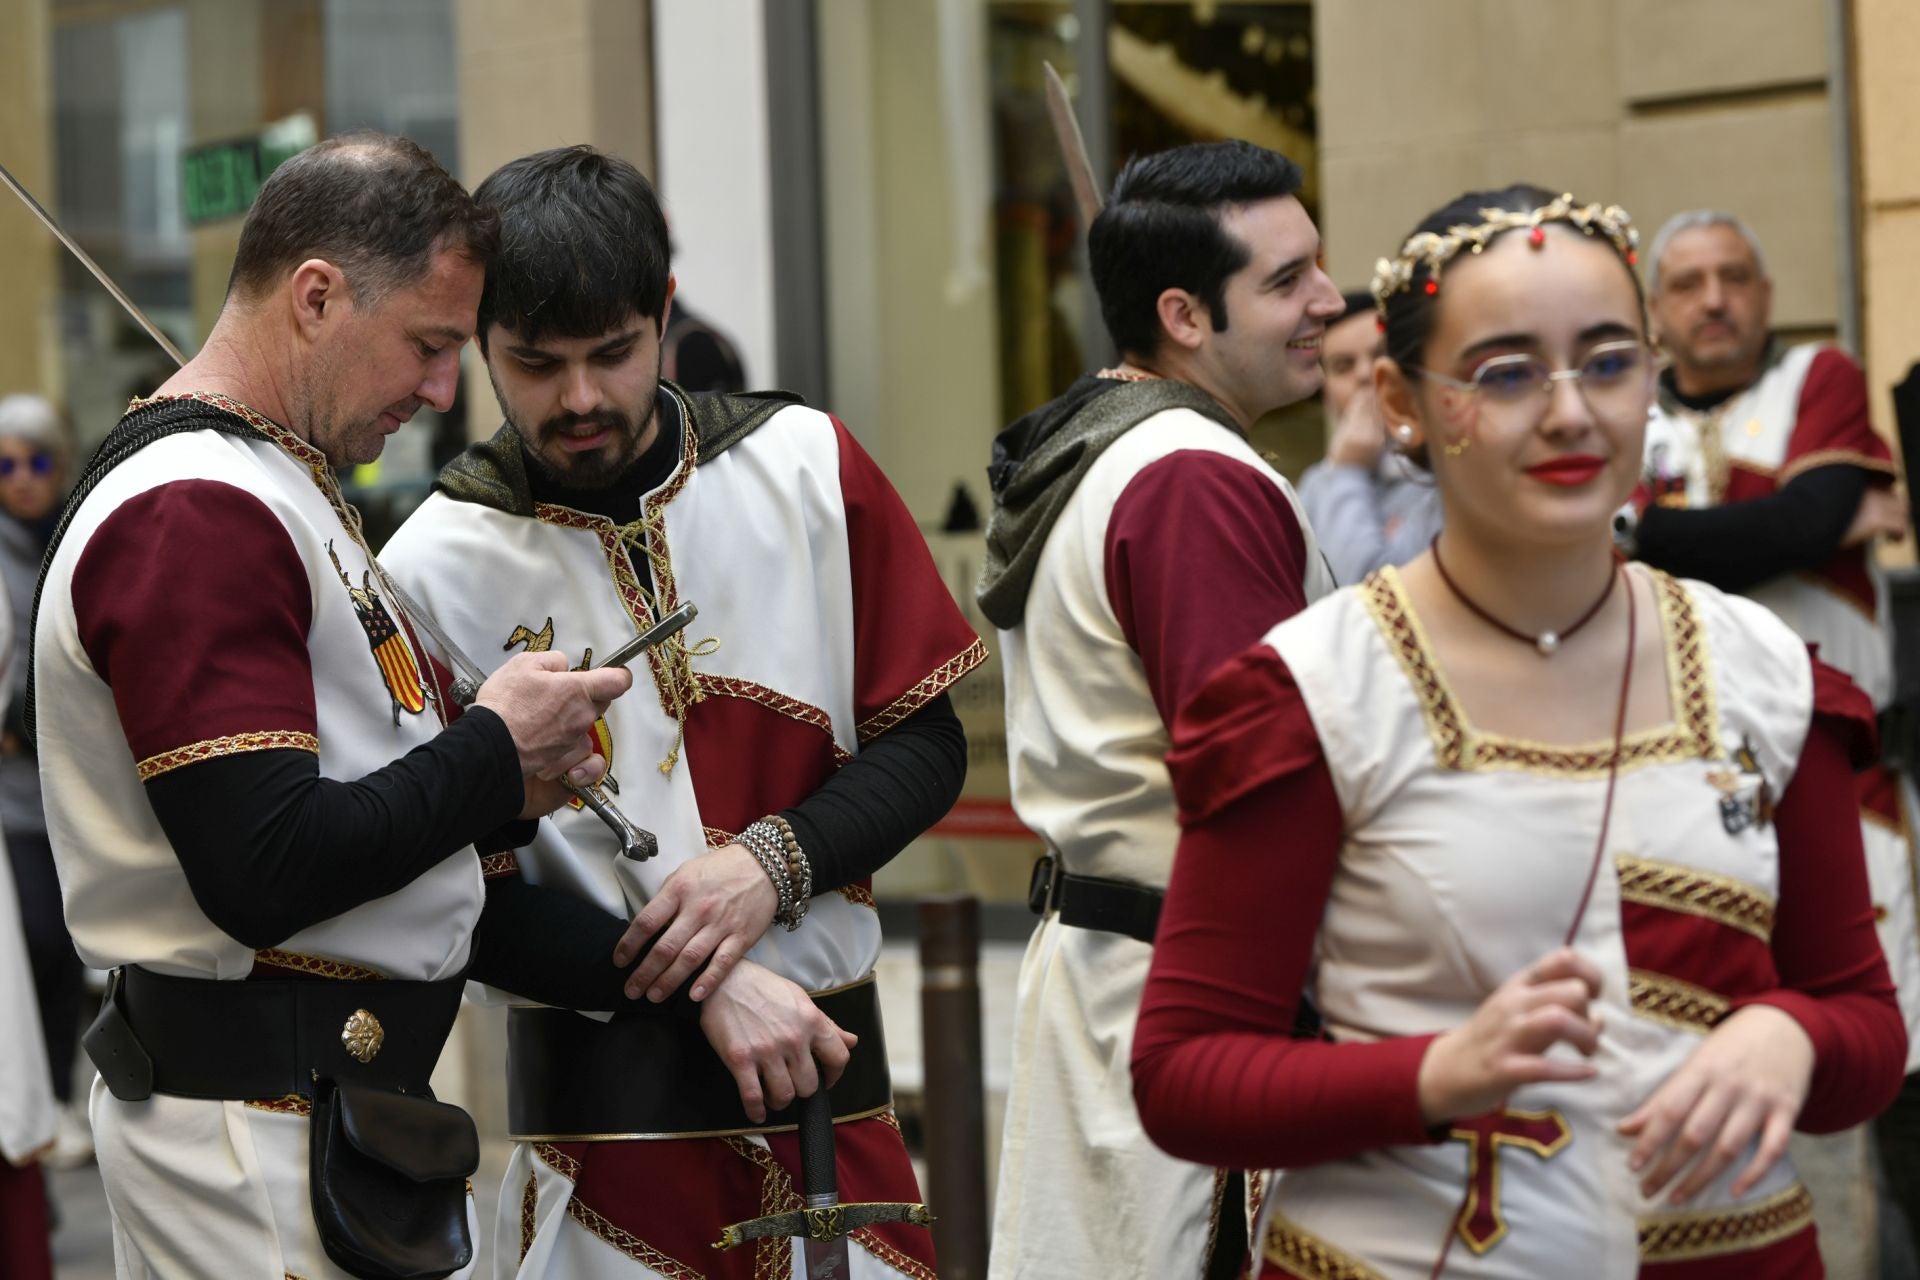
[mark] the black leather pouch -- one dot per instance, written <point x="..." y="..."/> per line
<point x="388" y="1173"/>
<point x="116" y="1052"/>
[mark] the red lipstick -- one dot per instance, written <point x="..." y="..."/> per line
<point x="1569" y="470"/>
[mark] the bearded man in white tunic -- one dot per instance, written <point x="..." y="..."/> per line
<point x="784" y="747"/>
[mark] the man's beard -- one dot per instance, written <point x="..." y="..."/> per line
<point x="594" y="468"/>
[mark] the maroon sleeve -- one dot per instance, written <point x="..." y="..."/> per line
<point x="1833" y="976"/>
<point x="1204" y="555"/>
<point x="1216" y="1076"/>
<point x="910" y="642"/>
<point x="193" y="605"/>
<point x="1832" y="426"/>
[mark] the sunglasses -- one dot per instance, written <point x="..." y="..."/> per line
<point x="40" y="464"/>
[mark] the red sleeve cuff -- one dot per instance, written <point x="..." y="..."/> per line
<point x="1846" y="711"/>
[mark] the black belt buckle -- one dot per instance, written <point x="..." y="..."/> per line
<point x="1040" y="888"/>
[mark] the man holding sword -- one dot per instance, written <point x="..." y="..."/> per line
<point x="793" y="740"/>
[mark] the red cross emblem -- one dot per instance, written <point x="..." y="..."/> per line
<point x="1544" y="1133"/>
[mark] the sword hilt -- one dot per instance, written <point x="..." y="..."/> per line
<point x="824" y="1217"/>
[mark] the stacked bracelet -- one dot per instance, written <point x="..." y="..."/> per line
<point x="774" y="846"/>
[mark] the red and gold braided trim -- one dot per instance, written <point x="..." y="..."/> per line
<point x="318" y="966"/>
<point x="231" y="745"/>
<point x="630" y="1244"/>
<point x="1709" y="1233"/>
<point x="716" y="838"/>
<point x="557" y="1160"/>
<point x="291" y="1104"/>
<point x="1300" y="1253"/>
<point x="529" y="1220"/>
<point x="774" y="700"/>
<point x="937" y="682"/>
<point x="1721" y="899"/>
<point x="859" y="895"/>
<point x="497" y="866"/>
<point x="1693" y="735"/>
<point x="1677" y="1004"/>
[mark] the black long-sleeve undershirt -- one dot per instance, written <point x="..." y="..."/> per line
<point x="1740" y="545"/>
<point x="269" y="847"/>
<point x="900" y="784"/>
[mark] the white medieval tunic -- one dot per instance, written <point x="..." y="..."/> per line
<point x="197" y="1187"/>
<point x="822" y="623"/>
<point x="1449" y="858"/>
<point x="1179" y="547"/>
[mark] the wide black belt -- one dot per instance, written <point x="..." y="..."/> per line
<point x="1090" y="902"/>
<point x="575" y="1079"/>
<point x="267" y="1038"/>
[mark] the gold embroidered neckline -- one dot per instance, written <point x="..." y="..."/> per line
<point x="1693" y="733"/>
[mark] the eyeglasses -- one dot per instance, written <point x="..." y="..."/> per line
<point x="1516" y="390"/>
<point x="39" y="463"/>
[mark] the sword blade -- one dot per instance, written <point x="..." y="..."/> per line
<point x="1073" y="147"/>
<point x="652" y="636"/>
<point x="127" y="304"/>
<point x="829" y="1260"/>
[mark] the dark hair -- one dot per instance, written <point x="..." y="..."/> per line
<point x="1161" y="230"/>
<point x="1409" y="312"/>
<point x="377" y="207"/>
<point x="1356" y="302"/>
<point x="583" y="244"/>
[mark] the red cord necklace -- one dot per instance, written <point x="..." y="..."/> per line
<point x="1547" y="641"/>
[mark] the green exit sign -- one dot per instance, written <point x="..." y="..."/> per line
<point x="220" y="179"/>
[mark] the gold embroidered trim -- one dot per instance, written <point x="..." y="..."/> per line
<point x="1713" y="451"/>
<point x="772" y="699"/>
<point x="1836" y="457"/>
<point x="716" y="838"/>
<point x="291" y="1104"/>
<point x="233" y="744"/>
<point x="1694" y="733"/>
<point x="1708" y="1233"/>
<point x="858" y="895"/>
<point x="936" y="683"/>
<point x="318" y="966"/>
<point x="1677" y="1004"/>
<point x="558" y="1161"/>
<point x="630" y="1244"/>
<point x="1694" y="892"/>
<point x="529" y="1215"/>
<point x="890" y="1120"/>
<point x="496" y="865"/>
<point x="1309" y="1257"/>
<point x="1213" y="1214"/>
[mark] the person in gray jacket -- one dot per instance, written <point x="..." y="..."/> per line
<point x="1369" y="505"/>
<point x="35" y="458"/>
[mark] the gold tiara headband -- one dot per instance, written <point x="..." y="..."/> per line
<point x="1433" y="251"/>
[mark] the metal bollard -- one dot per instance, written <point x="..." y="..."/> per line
<point x="955" y="1101"/>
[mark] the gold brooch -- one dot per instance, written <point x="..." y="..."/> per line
<point x="363" y="1035"/>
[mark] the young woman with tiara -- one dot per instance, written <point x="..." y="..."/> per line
<point x="1563" y="849"/>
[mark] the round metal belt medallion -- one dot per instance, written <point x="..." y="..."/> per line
<point x="363" y="1035"/>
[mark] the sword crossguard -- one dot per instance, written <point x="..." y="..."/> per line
<point x="828" y="1222"/>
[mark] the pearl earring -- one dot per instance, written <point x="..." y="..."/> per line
<point x="1403" y="433"/>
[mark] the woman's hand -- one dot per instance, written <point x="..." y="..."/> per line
<point x="1749" y="1076"/>
<point x="718" y="905"/>
<point x="1471" y="1069"/>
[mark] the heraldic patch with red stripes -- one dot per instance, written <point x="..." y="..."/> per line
<point x="390" y="650"/>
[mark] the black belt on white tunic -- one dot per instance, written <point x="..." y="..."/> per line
<point x="577" y="1079"/>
